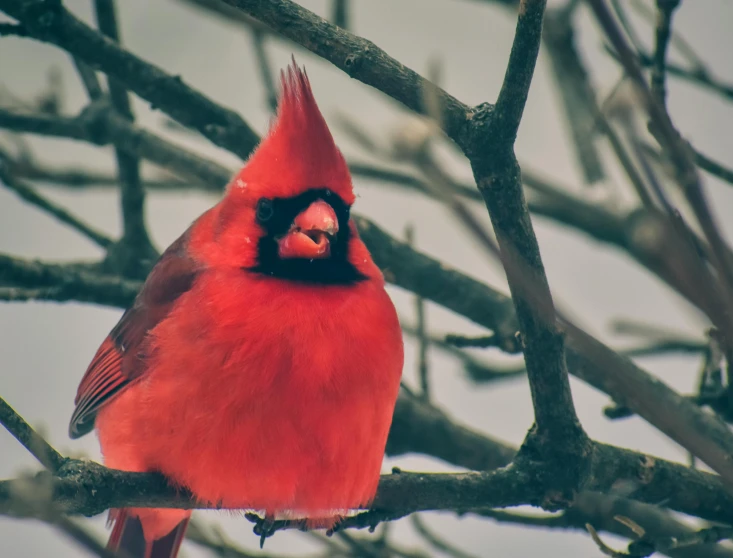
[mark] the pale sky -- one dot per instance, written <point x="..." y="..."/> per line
<point x="46" y="347"/>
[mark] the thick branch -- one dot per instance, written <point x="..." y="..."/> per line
<point x="498" y="178"/>
<point x="84" y="487"/>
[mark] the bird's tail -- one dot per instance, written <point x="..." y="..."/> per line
<point x="128" y="538"/>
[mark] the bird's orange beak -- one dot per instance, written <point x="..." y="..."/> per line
<point x="311" y="233"/>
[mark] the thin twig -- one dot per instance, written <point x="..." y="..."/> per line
<point x="574" y="86"/>
<point x="12" y="30"/>
<point x="422" y="338"/>
<point x="29" y="194"/>
<point x="665" y="10"/>
<point x="263" y="63"/>
<point x="462" y="341"/>
<point x="89" y="79"/>
<point x="135" y="243"/>
<point x="714" y="167"/>
<point x="166" y="92"/>
<point x="435" y="541"/>
<point x="679" y="154"/>
<point x="340" y="11"/>
<point x="31" y="440"/>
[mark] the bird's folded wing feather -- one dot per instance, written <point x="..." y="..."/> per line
<point x="121" y="359"/>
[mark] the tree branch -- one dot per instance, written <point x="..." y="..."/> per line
<point x="135" y="248"/>
<point x="32" y="441"/>
<point x="433" y="280"/>
<point x="679" y="154"/>
<point x="359" y="58"/>
<point x="49" y="21"/>
<point x="101" y="125"/>
<point x="66" y="282"/>
<point x="28" y="193"/>
<point x="575" y="89"/>
<point x="87" y="488"/>
<point x="602" y="511"/>
<point x="663" y="32"/>
<point x="520" y="69"/>
<point x="497" y="175"/>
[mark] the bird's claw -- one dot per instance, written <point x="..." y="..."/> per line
<point x="266" y="526"/>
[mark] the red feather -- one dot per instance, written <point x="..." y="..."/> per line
<point x="121" y="358"/>
<point x="255" y="389"/>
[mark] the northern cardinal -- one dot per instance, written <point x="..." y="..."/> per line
<point x="260" y="363"/>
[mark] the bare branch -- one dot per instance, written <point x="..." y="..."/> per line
<point x="679" y="154"/>
<point x="713" y="167"/>
<point x="51" y="22"/>
<point x="12" y="30"/>
<point x="64" y="282"/>
<point x="89" y="78"/>
<point x="100" y="125"/>
<point x="30" y="195"/>
<point x="135" y="246"/>
<point x="359" y="58"/>
<point x="601" y="512"/>
<point x="418" y="427"/>
<point x="340" y="13"/>
<point x="498" y="178"/>
<point x="576" y="92"/>
<point x="665" y="9"/>
<point x="421" y="333"/>
<point x="520" y="69"/>
<point x="435" y="281"/>
<point x="258" y="42"/>
<point x="88" y="488"/>
<point x="32" y="441"/>
<point x="482" y="341"/>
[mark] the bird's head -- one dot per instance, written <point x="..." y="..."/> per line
<point x="286" y="213"/>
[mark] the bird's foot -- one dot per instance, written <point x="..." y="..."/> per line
<point x="267" y="526"/>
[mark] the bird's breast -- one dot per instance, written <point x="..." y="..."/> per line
<point x="265" y="395"/>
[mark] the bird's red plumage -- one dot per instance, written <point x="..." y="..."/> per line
<point x="253" y="391"/>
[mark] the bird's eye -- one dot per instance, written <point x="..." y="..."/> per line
<point x="265" y="210"/>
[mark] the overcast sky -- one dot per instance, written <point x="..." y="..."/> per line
<point x="45" y="347"/>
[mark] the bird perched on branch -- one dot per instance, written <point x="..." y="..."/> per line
<point x="260" y="363"/>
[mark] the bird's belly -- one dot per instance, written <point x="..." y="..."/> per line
<point x="282" y="432"/>
<point x="251" y="412"/>
<point x="273" y="459"/>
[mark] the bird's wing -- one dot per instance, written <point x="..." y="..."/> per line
<point x="120" y="360"/>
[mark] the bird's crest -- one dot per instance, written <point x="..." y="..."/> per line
<point x="299" y="152"/>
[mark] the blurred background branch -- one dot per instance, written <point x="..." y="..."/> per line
<point x="679" y="239"/>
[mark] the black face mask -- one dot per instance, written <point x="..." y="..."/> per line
<point x="276" y="215"/>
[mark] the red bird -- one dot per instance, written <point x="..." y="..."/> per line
<point x="260" y="363"/>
